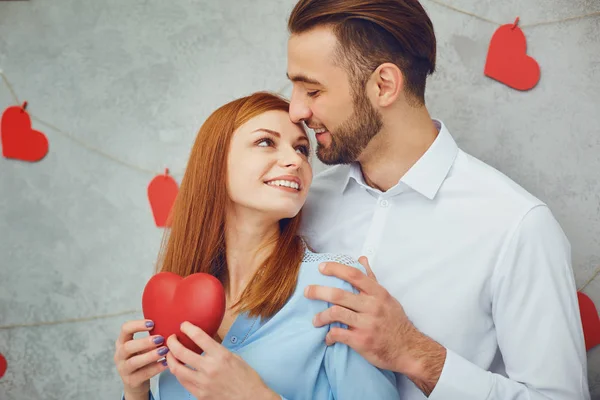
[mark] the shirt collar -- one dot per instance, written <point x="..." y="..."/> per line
<point x="429" y="172"/>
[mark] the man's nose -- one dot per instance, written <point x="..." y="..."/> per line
<point x="299" y="110"/>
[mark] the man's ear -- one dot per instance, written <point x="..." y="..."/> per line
<point x="389" y="82"/>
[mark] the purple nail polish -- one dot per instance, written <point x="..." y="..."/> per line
<point x="149" y="324"/>
<point x="158" y="340"/>
<point x="164" y="362"/>
<point x="162" y="351"/>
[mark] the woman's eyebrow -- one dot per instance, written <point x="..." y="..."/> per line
<point x="268" y="130"/>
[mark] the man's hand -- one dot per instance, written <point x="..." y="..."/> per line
<point x="378" y="327"/>
<point x="217" y="374"/>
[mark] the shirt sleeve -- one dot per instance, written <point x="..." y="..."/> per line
<point x="538" y="324"/>
<point x="350" y="375"/>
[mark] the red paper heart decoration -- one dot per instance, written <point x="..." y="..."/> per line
<point x="169" y="300"/>
<point x="507" y="59"/>
<point x="3" y="365"/>
<point x="162" y="192"/>
<point x="19" y="141"/>
<point x="589" y="320"/>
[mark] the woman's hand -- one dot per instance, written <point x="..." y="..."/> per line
<point x="136" y="359"/>
<point x="218" y="373"/>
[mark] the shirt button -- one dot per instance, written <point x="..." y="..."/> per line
<point x="369" y="251"/>
<point x="384" y="203"/>
<point x="233" y="339"/>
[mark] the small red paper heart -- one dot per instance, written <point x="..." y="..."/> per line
<point x="162" y="192"/>
<point x="169" y="300"/>
<point x="3" y="365"/>
<point x="589" y="320"/>
<point x="19" y="141"/>
<point x="507" y="60"/>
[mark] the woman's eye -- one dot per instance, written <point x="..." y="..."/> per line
<point x="265" y="142"/>
<point x="304" y="150"/>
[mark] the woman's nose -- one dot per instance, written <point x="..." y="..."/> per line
<point x="292" y="159"/>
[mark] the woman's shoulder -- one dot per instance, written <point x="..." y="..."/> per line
<point x="312" y="260"/>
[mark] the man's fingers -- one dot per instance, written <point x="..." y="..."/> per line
<point x="338" y="314"/>
<point x="341" y="335"/>
<point x="352" y="275"/>
<point x="364" y="261"/>
<point x="334" y="296"/>
<point x="131" y="327"/>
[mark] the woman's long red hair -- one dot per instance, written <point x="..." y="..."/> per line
<point x="195" y="242"/>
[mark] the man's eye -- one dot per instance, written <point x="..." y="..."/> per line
<point x="312" y="94"/>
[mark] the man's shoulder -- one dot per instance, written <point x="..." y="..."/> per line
<point x="484" y="181"/>
<point x="329" y="180"/>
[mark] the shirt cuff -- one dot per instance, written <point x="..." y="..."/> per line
<point x="150" y="397"/>
<point x="462" y="380"/>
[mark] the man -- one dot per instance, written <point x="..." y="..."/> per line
<point x="470" y="293"/>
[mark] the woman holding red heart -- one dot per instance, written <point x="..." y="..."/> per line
<point x="236" y="218"/>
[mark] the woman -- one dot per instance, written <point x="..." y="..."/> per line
<point x="236" y="217"/>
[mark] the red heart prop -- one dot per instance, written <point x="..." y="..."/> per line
<point x="507" y="59"/>
<point x="589" y="320"/>
<point x="169" y="300"/>
<point x="162" y="192"/>
<point x="19" y="141"/>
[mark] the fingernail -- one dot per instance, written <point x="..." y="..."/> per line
<point x="149" y="324"/>
<point x="158" y="340"/>
<point x="315" y="320"/>
<point x="164" y="362"/>
<point x="321" y="267"/>
<point x="162" y="351"/>
<point x="306" y="291"/>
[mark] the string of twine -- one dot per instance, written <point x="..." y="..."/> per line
<point x="145" y="170"/>
<point x="479" y="17"/>
<point x="68" y="320"/>
<point x="84" y="144"/>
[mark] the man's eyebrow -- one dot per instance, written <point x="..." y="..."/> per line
<point x="303" y="78"/>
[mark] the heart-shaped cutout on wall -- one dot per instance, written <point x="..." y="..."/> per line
<point x="19" y="140"/>
<point x="589" y="320"/>
<point x="162" y="192"/>
<point x="507" y="60"/>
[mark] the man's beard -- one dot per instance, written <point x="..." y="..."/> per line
<point x="353" y="135"/>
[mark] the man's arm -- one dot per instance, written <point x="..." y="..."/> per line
<point x="537" y="320"/>
<point x="535" y="311"/>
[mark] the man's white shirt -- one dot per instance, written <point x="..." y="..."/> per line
<point x="478" y="263"/>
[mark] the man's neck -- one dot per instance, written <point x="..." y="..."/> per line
<point x="404" y="139"/>
<point x="250" y="239"/>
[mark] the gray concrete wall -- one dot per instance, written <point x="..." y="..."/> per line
<point x="135" y="80"/>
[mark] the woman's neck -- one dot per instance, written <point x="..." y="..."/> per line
<point x="249" y="241"/>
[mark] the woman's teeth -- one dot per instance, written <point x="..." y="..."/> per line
<point x="289" y="184"/>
